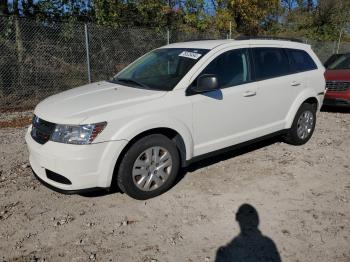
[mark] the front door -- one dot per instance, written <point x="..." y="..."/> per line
<point x="226" y="116"/>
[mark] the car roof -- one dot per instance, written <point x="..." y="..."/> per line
<point x="211" y="44"/>
<point x="205" y="44"/>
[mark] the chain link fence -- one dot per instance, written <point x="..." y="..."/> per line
<point x="325" y="49"/>
<point x="39" y="59"/>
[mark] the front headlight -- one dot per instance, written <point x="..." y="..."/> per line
<point x="77" y="134"/>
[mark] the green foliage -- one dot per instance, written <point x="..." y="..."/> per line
<point x="319" y="20"/>
<point x="324" y="21"/>
<point x="223" y="20"/>
<point x="195" y="15"/>
<point x="152" y="13"/>
<point x="253" y="16"/>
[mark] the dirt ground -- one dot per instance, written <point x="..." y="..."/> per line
<point x="300" y="195"/>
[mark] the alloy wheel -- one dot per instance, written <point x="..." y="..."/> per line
<point x="152" y="168"/>
<point x="305" y="124"/>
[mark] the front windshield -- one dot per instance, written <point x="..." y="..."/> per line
<point x="342" y="62"/>
<point x="160" y="69"/>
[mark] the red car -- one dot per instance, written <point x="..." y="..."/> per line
<point x="338" y="80"/>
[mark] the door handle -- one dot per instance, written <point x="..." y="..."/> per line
<point x="249" y="93"/>
<point x="295" y="83"/>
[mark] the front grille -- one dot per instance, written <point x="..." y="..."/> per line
<point x="41" y="130"/>
<point x="338" y="86"/>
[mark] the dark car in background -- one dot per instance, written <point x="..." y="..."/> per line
<point x="337" y="80"/>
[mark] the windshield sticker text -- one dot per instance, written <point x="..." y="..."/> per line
<point x="190" y="55"/>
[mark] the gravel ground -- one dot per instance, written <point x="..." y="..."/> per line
<point x="299" y="195"/>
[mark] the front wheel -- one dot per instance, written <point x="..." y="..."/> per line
<point x="149" y="167"/>
<point x="303" y="125"/>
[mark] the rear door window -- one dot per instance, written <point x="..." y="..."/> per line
<point x="301" y="61"/>
<point x="270" y="62"/>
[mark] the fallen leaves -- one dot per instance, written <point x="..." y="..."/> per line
<point x="16" y="122"/>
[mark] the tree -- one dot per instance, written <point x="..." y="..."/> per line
<point x="223" y="20"/>
<point x="288" y="4"/>
<point x="195" y="15"/>
<point x="4" y="10"/>
<point x="331" y="18"/>
<point x="251" y="16"/>
<point x="116" y="13"/>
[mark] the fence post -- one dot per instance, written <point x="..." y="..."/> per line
<point x="87" y="52"/>
<point x="167" y="36"/>
<point x="339" y="39"/>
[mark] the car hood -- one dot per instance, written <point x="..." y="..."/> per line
<point x="338" y="75"/>
<point x="76" y="105"/>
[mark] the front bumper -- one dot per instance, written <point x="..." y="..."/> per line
<point x="333" y="98"/>
<point x="336" y="102"/>
<point x="67" y="192"/>
<point x="87" y="167"/>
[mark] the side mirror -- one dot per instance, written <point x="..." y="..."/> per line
<point x="207" y="83"/>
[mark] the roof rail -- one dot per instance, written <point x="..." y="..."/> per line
<point x="245" y="37"/>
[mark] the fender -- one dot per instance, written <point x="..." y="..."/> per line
<point x="145" y="123"/>
<point x="131" y="129"/>
<point x="304" y="95"/>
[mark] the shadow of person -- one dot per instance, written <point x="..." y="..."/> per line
<point x="250" y="245"/>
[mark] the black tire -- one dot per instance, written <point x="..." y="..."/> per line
<point x="292" y="136"/>
<point x="125" y="179"/>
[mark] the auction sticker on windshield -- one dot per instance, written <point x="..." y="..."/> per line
<point x="191" y="55"/>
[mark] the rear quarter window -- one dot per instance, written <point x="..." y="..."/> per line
<point x="301" y="60"/>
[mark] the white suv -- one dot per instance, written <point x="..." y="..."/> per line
<point x="170" y="107"/>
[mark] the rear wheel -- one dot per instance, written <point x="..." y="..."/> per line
<point x="303" y="125"/>
<point x="149" y="167"/>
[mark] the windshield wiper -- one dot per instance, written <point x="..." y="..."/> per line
<point x="130" y="80"/>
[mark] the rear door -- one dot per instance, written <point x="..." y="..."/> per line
<point x="304" y="67"/>
<point x="278" y="87"/>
